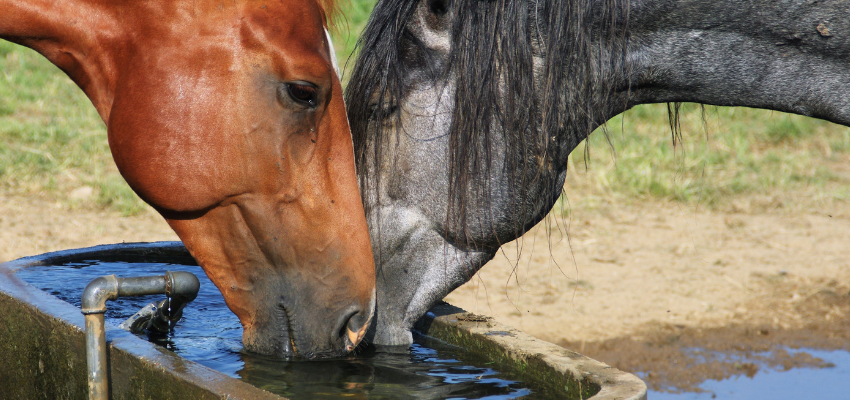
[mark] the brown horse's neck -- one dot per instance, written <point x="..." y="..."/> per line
<point x="73" y="35"/>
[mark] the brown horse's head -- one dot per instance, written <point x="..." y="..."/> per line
<point x="229" y="120"/>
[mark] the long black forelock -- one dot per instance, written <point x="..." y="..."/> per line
<point x="494" y="45"/>
<point x="376" y="82"/>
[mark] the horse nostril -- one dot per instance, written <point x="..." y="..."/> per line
<point x="343" y="324"/>
<point x="352" y="326"/>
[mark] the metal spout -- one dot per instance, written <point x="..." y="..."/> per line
<point x="161" y="316"/>
<point x="180" y="287"/>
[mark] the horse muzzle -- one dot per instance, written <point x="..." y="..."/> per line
<point x="291" y="329"/>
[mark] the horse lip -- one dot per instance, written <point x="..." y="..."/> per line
<point x="287" y="343"/>
<point x="290" y="332"/>
<point x="353" y="338"/>
<point x="292" y="344"/>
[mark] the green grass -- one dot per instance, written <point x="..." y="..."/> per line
<point x="729" y="152"/>
<point x="52" y="141"/>
<point x="346" y="30"/>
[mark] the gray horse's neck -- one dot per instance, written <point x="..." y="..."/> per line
<point x="791" y="56"/>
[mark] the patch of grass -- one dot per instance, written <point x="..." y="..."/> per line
<point x="580" y="285"/>
<point x="53" y="140"/>
<point x="347" y="30"/>
<point x="724" y="152"/>
<point x="112" y="192"/>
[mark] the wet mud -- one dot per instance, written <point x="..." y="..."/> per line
<point x="678" y="358"/>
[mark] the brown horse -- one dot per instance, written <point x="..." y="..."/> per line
<point x="228" y="119"/>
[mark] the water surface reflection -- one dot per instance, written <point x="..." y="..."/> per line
<point x="211" y="335"/>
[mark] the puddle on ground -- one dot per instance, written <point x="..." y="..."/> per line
<point x="212" y="336"/>
<point x="740" y="361"/>
<point x="831" y="380"/>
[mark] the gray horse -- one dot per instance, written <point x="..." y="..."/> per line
<point x="464" y="112"/>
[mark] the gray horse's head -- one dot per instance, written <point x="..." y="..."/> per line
<point x="464" y="112"/>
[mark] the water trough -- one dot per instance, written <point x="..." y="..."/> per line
<point x="43" y="345"/>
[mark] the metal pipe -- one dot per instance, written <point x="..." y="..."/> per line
<point x="180" y="287"/>
<point x="161" y="316"/>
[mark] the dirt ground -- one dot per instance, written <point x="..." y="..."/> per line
<point x="636" y="285"/>
<point x="665" y="289"/>
<point x="32" y="225"/>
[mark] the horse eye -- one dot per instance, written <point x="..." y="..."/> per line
<point x="382" y="111"/>
<point x="302" y="93"/>
<point x="439" y="7"/>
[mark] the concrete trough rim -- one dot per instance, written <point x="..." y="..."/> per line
<point x="521" y="347"/>
<point x="445" y="322"/>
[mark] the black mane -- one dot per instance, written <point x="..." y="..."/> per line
<point x="494" y="43"/>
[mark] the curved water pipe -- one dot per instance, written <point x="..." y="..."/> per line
<point x="179" y="287"/>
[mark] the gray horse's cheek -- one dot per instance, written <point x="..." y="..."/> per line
<point x="417" y="269"/>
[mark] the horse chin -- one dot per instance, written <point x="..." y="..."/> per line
<point x="285" y="342"/>
<point x="260" y="341"/>
<point x="284" y="332"/>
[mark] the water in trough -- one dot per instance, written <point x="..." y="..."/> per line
<point x="211" y="335"/>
